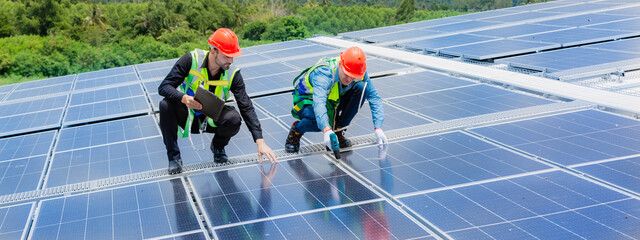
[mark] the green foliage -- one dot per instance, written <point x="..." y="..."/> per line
<point x="254" y="30"/>
<point x="286" y="28"/>
<point x="405" y="10"/>
<point x="336" y="19"/>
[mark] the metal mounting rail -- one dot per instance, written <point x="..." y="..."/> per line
<point x="319" y="148"/>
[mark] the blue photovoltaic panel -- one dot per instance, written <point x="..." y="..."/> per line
<point x="377" y="220"/>
<point x="623" y="173"/>
<point x="542" y="206"/>
<point x="626" y="25"/>
<point x="467" y="101"/>
<point x="106" y="73"/>
<point x="417" y="82"/>
<point x="271" y="83"/>
<point x="581" y="7"/>
<point x="106" y="81"/>
<point x="627" y="45"/>
<point x="517" y="30"/>
<point x="8" y="88"/>
<point x="306" y="62"/>
<point x="517" y="17"/>
<point x="395" y="36"/>
<point x="152" y="86"/>
<point x="583" y="20"/>
<point x="46" y="82"/>
<point x="371" y="32"/>
<point x="275" y="46"/>
<point x="486" y="14"/>
<point x="628" y="11"/>
<point x="155" y="74"/>
<point x="15" y="220"/>
<point x="24" y="146"/>
<point x="251" y="193"/>
<point x="21" y="175"/>
<point x="106" y="133"/>
<point x="156" y="65"/>
<point x="496" y="49"/>
<point x="40" y="91"/>
<point x="155" y="101"/>
<point x="278" y="105"/>
<point x="570" y="138"/>
<point x="539" y="6"/>
<point x="431" y="22"/>
<point x="105" y="110"/>
<point x="22" y="107"/>
<point x="376" y="66"/>
<point x="461" y="26"/>
<point x="189" y="236"/>
<point x="106" y="94"/>
<point x="576" y="36"/>
<point x="249" y="59"/>
<point x="565" y="59"/>
<point x="2" y="95"/>
<point x="104" y="161"/>
<point x="264" y="69"/>
<point x="309" y="49"/>
<point x="433" y="44"/>
<point x="241" y="144"/>
<point x="32" y="121"/>
<point x="435" y="162"/>
<point x="150" y="210"/>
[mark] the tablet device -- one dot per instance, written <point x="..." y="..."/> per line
<point x="211" y="104"/>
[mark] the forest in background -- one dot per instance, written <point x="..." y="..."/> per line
<point x="48" y="38"/>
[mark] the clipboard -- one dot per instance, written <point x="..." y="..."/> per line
<point x="211" y="104"/>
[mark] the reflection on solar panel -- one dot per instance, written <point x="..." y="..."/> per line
<point x="576" y="36"/>
<point x="434" y="44"/>
<point x="465" y="159"/>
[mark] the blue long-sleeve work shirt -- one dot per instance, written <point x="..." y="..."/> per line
<point x="322" y="80"/>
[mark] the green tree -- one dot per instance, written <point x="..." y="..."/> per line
<point x="95" y="18"/>
<point x="405" y="10"/>
<point x="48" y="14"/>
<point x="286" y="28"/>
<point x="254" y="30"/>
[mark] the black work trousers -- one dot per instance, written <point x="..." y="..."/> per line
<point x="173" y="114"/>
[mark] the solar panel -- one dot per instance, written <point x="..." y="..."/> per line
<point x="436" y="162"/>
<point x="29" y="122"/>
<point x="622" y="173"/>
<point x="434" y="44"/>
<point x="582" y="7"/>
<point x="371" y="32"/>
<point x="517" y="30"/>
<point x="496" y="49"/>
<point x="154" y="75"/>
<point x="21" y="175"/>
<point x="466" y="101"/>
<point x="264" y="70"/>
<point x="156" y="65"/>
<point x="625" y="25"/>
<point x="431" y="22"/>
<point x="271" y="83"/>
<point x="276" y="46"/>
<point x="309" y="49"/>
<point x="106" y="73"/>
<point x="249" y="59"/>
<point x="566" y="59"/>
<point x="576" y="36"/>
<point x="395" y="36"/>
<point x="25" y="146"/>
<point x="569" y="138"/>
<point x="106" y="110"/>
<point x="101" y="82"/>
<point x="417" y="82"/>
<point x="15" y="220"/>
<point x="8" y="88"/>
<point x="628" y="11"/>
<point x="486" y="14"/>
<point x="553" y="204"/>
<point x="583" y="20"/>
<point x="40" y="91"/>
<point x="155" y="99"/>
<point x="106" y="94"/>
<point x="461" y="26"/>
<point x="540" y="6"/>
<point x="150" y="210"/>
<point x="152" y="86"/>
<point x="22" y="107"/>
<point x="517" y="17"/>
<point x="45" y="82"/>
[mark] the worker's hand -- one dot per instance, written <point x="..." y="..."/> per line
<point x="265" y="150"/>
<point x="327" y="137"/>
<point x="191" y="102"/>
<point x="382" y="139"/>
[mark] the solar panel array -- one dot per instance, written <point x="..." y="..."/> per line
<point x="84" y="158"/>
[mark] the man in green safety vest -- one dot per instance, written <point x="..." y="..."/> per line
<point x="213" y="70"/>
<point x="327" y="97"/>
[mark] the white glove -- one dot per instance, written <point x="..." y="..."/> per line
<point x="327" y="138"/>
<point x="382" y="139"/>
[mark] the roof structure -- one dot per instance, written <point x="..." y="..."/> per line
<point x="516" y="123"/>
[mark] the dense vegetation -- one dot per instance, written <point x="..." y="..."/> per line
<point x="45" y="38"/>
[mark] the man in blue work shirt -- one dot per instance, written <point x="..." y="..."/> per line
<point x="341" y="86"/>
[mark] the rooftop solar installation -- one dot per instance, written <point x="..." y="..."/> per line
<point x="470" y="156"/>
<point x="628" y="11"/>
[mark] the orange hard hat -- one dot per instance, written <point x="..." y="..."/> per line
<point x="226" y="41"/>
<point x="354" y="62"/>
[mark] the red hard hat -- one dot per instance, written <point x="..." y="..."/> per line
<point x="226" y="41"/>
<point x="354" y="62"/>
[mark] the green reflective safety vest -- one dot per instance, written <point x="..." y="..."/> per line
<point x="303" y="89"/>
<point x="199" y="75"/>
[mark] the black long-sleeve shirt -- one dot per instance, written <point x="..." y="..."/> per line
<point x="180" y="71"/>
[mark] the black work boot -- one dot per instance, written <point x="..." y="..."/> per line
<point x="342" y="140"/>
<point x="292" y="144"/>
<point x="219" y="156"/>
<point x="175" y="166"/>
